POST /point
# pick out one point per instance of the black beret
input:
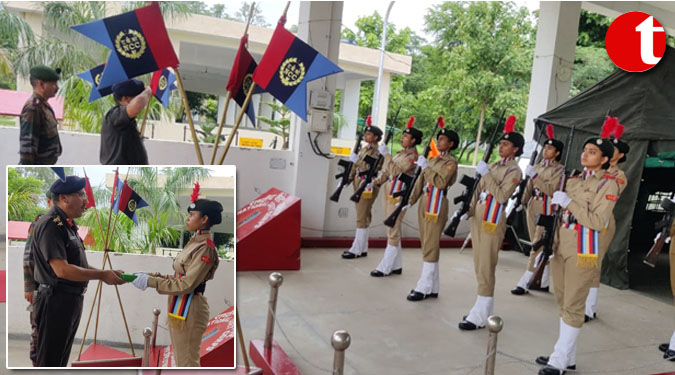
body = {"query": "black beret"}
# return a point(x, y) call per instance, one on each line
point(452, 136)
point(623, 148)
point(72, 184)
point(375, 130)
point(605, 145)
point(559, 146)
point(516, 139)
point(415, 133)
point(45, 73)
point(207, 207)
point(131, 87)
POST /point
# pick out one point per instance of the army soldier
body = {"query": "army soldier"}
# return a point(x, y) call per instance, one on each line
point(668, 348)
point(621, 148)
point(587, 204)
point(497, 184)
point(402, 162)
point(542, 184)
point(372, 136)
point(193, 267)
point(121, 142)
point(63, 273)
point(39, 134)
point(438, 174)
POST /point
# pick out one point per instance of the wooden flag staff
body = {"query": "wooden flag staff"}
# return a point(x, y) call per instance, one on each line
point(189, 116)
point(236, 123)
point(145, 116)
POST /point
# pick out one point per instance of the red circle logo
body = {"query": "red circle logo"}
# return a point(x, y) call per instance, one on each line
point(635, 41)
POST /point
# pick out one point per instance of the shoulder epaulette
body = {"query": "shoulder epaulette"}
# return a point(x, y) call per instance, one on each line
point(210, 243)
point(607, 175)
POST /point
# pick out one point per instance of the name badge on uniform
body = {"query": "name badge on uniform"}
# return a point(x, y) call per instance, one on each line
point(434, 201)
point(492, 214)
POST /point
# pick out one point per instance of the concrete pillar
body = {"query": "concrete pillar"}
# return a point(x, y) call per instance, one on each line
point(381, 119)
point(553, 58)
point(319, 25)
point(350, 108)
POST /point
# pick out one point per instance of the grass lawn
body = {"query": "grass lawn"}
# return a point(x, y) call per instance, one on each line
point(7, 121)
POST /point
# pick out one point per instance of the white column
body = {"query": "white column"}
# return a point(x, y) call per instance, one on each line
point(319, 24)
point(553, 58)
point(350, 108)
point(381, 119)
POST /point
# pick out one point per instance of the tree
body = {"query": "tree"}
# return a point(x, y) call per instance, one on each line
point(242, 15)
point(281, 125)
point(23, 195)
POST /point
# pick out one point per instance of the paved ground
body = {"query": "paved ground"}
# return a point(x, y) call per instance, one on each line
point(393, 336)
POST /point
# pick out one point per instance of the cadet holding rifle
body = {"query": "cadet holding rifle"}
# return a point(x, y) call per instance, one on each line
point(364, 161)
point(621, 148)
point(497, 184)
point(437, 175)
point(542, 182)
point(586, 205)
point(403, 163)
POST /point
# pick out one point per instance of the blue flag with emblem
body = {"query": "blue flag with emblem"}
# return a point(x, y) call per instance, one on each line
point(61, 172)
point(93, 76)
point(129, 201)
point(162, 83)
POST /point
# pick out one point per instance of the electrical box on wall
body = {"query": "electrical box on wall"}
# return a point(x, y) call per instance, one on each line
point(320, 99)
point(320, 120)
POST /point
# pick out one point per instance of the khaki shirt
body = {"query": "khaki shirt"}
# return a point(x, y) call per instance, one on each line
point(362, 166)
point(197, 263)
point(501, 182)
point(593, 199)
point(440, 172)
point(402, 162)
point(545, 182)
point(619, 177)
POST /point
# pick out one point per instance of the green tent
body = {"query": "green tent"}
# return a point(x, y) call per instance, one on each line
point(645, 104)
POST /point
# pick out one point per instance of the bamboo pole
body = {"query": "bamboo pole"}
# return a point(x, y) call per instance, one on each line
point(236, 123)
point(220, 127)
point(242, 342)
point(145, 116)
point(189, 117)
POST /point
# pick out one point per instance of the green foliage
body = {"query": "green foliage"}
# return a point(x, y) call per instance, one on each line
point(206, 133)
point(592, 29)
point(23, 195)
point(591, 64)
point(281, 125)
point(242, 15)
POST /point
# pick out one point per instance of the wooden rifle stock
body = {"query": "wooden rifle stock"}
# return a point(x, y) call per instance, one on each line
point(653, 255)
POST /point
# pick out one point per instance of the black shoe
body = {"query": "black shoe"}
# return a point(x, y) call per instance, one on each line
point(432, 295)
point(415, 296)
point(518, 291)
point(588, 318)
point(376, 273)
point(544, 289)
point(543, 360)
point(348, 255)
point(669, 355)
point(466, 325)
point(396, 272)
point(548, 370)
point(664, 347)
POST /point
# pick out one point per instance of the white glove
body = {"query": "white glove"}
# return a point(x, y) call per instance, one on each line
point(560, 198)
point(422, 162)
point(530, 171)
point(141, 281)
point(383, 149)
point(353, 157)
point(656, 239)
point(482, 168)
point(407, 206)
point(464, 217)
point(369, 186)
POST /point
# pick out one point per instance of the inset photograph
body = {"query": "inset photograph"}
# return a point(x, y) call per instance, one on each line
point(122, 267)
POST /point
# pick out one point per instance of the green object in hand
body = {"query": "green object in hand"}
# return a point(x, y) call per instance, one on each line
point(128, 277)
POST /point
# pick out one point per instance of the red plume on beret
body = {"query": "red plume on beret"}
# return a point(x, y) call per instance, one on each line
point(411, 122)
point(608, 127)
point(549, 131)
point(441, 122)
point(369, 120)
point(510, 124)
point(618, 130)
point(195, 193)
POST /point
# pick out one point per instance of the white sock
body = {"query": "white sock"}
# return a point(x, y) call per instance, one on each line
point(672, 342)
point(437, 279)
point(426, 281)
point(481, 310)
point(591, 302)
point(562, 351)
point(546, 277)
point(525, 279)
point(388, 260)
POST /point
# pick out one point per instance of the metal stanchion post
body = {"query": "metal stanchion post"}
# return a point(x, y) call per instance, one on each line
point(155, 311)
point(275, 279)
point(147, 332)
point(494, 325)
point(340, 341)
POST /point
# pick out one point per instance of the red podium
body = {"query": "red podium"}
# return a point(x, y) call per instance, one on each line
point(268, 233)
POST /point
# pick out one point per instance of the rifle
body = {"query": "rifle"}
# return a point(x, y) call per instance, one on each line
point(410, 181)
point(347, 169)
point(518, 196)
point(550, 224)
point(373, 163)
point(664, 226)
point(471, 184)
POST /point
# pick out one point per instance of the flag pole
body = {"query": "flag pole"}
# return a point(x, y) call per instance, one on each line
point(242, 342)
point(189, 117)
point(237, 122)
point(145, 116)
point(229, 94)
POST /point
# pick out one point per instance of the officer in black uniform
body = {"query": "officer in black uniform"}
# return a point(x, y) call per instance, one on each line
point(62, 272)
point(121, 142)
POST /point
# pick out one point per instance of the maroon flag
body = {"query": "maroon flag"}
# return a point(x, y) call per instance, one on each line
point(91, 202)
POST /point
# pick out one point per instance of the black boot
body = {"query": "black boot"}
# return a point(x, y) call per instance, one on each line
point(669, 355)
point(518, 291)
point(664, 347)
point(543, 360)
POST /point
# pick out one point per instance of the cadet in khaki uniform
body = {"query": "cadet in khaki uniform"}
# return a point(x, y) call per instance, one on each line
point(364, 206)
point(39, 141)
point(438, 174)
point(586, 204)
point(402, 162)
point(193, 267)
point(621, 148)
point(544, 179)
point(668, 348)
point(498, 182)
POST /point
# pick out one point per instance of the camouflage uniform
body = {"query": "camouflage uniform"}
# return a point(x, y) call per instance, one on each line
point(30, 286)
point(39, 135)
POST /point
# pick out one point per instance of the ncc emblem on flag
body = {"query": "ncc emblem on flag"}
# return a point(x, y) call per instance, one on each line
point(130, 44)
point(97, 79)
point(247, 82)
point(163, 83)
point(132, 205)
point(291, 72)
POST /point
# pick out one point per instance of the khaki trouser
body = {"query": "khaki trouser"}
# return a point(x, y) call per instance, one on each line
point(534, 209)
point(430, 233)
point(604, 239)
point(571, 282)
point(393, 234)
point(486, 250)
point(187, 341)
point(364, 210)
